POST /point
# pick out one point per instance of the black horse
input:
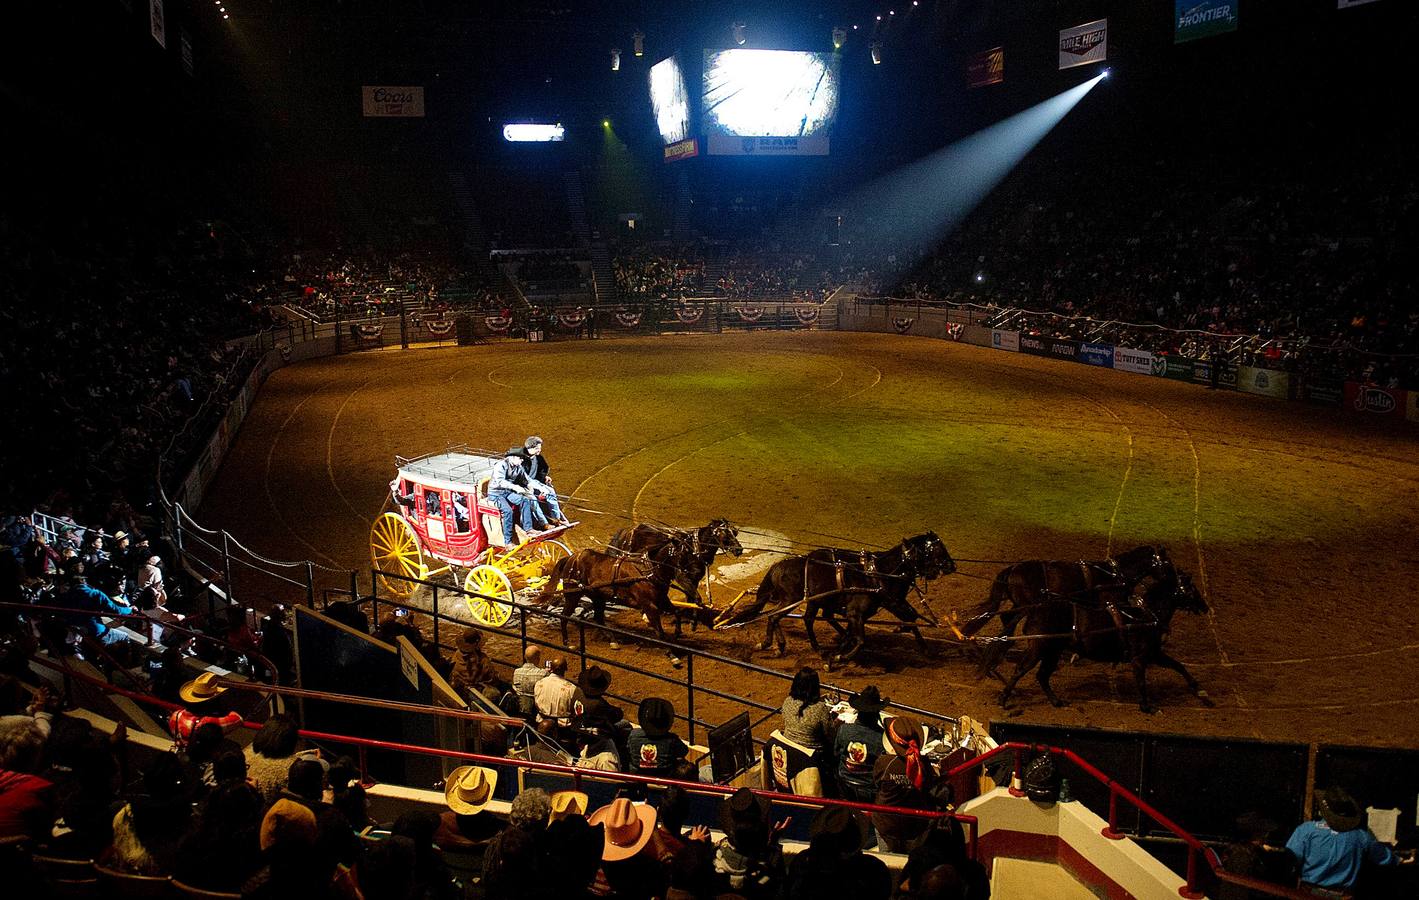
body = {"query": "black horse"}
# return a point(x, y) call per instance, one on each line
point(704, 542)
point(1106, 583)
point(852, 583)
point(1132, 632)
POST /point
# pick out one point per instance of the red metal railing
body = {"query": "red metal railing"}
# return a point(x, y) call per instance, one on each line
point(1196, 851)
point(363, 745)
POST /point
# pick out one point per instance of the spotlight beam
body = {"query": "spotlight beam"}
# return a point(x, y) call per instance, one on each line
point(925, 200)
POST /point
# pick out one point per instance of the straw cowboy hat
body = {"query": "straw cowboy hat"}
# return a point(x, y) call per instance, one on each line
point(628, 828)
point(469, 789)
point(568, 803)
point(203, 687)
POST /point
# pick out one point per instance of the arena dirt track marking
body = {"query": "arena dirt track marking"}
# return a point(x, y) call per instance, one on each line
point(330, 452)
point(266, 481)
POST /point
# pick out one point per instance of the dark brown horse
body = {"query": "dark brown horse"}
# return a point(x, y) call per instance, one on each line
point(854, 584)
point(639, 581)
point(704, 542)
point(1132, 632)
point(1106, 583)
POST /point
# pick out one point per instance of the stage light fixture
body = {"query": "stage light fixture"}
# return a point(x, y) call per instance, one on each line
point(839, 38)
point(876, 49)
point(638, 43)
point(980, 277)
point(616, 60)
point(738, 30)
point(605, 123)
point(1106, 72)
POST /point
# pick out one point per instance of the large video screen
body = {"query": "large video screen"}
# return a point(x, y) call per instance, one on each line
point(784, 94)
point(670, 100)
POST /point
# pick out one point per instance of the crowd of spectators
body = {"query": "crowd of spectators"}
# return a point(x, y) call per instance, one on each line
point(657, 273)
point(1262, 252)
point(749, 275)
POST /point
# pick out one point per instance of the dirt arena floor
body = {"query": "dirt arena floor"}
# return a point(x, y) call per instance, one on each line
point(1299, 523)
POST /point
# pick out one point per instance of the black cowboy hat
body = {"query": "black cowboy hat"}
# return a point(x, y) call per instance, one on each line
point(594, 682)
point(869, 700)
point(656, 716)
point(743, 809)
point(1339, 809)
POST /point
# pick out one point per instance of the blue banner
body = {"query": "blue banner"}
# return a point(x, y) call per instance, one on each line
point(1203, 18)
point(1097, 355)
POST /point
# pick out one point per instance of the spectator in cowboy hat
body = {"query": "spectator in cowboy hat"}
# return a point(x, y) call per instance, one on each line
point(628, 864)
point(903, 778)
point(749, 861)
point(204, 706)
point(1332, 851)
point(834, 864)
point(857, 745)
point(568, 803)
point(474, 671)
point(653, 749)
point(466, 823)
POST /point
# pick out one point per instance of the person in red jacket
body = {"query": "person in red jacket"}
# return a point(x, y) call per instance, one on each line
point(26, 800)
point(201, 695)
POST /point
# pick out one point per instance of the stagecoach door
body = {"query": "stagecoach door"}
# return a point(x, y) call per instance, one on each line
point(433, 509)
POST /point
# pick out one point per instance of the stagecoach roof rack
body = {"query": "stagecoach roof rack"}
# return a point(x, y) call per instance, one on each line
point(457, 463)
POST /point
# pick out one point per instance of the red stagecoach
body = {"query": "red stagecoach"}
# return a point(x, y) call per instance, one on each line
point(442, 521)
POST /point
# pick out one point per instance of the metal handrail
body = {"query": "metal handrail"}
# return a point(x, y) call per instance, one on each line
point(254, 655)
point(689, 654)
point(1196, 850)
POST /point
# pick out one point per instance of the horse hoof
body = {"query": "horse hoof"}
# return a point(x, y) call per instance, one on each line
point(1147, 708)
point(1058, 703)
point(675, 662)
point(615, 646)
point(1206, 700)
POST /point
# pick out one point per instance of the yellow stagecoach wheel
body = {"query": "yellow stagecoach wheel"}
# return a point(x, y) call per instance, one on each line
point(394, 548)
point(544, 555)
point(491, 582)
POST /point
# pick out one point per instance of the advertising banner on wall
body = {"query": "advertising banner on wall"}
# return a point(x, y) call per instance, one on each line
point(386, 100)
point(157, 23)
point(1325, 391)
point(686, 149)
point(1177, 368)
point(1097, 355)
point(986, 67)
point(1202, 373)
point(1127, 359)
point(975, 334)
point(738, 145)
point(1375, 401)
point(1203, 18)
point(1055, 348)
point(1084, 44)
point(1266, 382)
point(1005, 340)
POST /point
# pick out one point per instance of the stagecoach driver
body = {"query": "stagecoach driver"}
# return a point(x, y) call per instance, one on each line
point(509, 489)
point(539, 472)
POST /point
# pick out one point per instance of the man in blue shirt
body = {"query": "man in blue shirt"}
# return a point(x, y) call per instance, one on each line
point(1333, 850)
point(508, 489)
point(88, 604)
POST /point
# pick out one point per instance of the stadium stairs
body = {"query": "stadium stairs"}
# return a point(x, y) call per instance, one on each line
point(603, 277)
point(576, 207)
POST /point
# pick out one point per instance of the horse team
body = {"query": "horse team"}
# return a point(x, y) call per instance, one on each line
point(1115, 610)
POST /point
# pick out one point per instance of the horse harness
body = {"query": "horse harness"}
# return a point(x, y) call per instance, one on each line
point(1103, 590)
